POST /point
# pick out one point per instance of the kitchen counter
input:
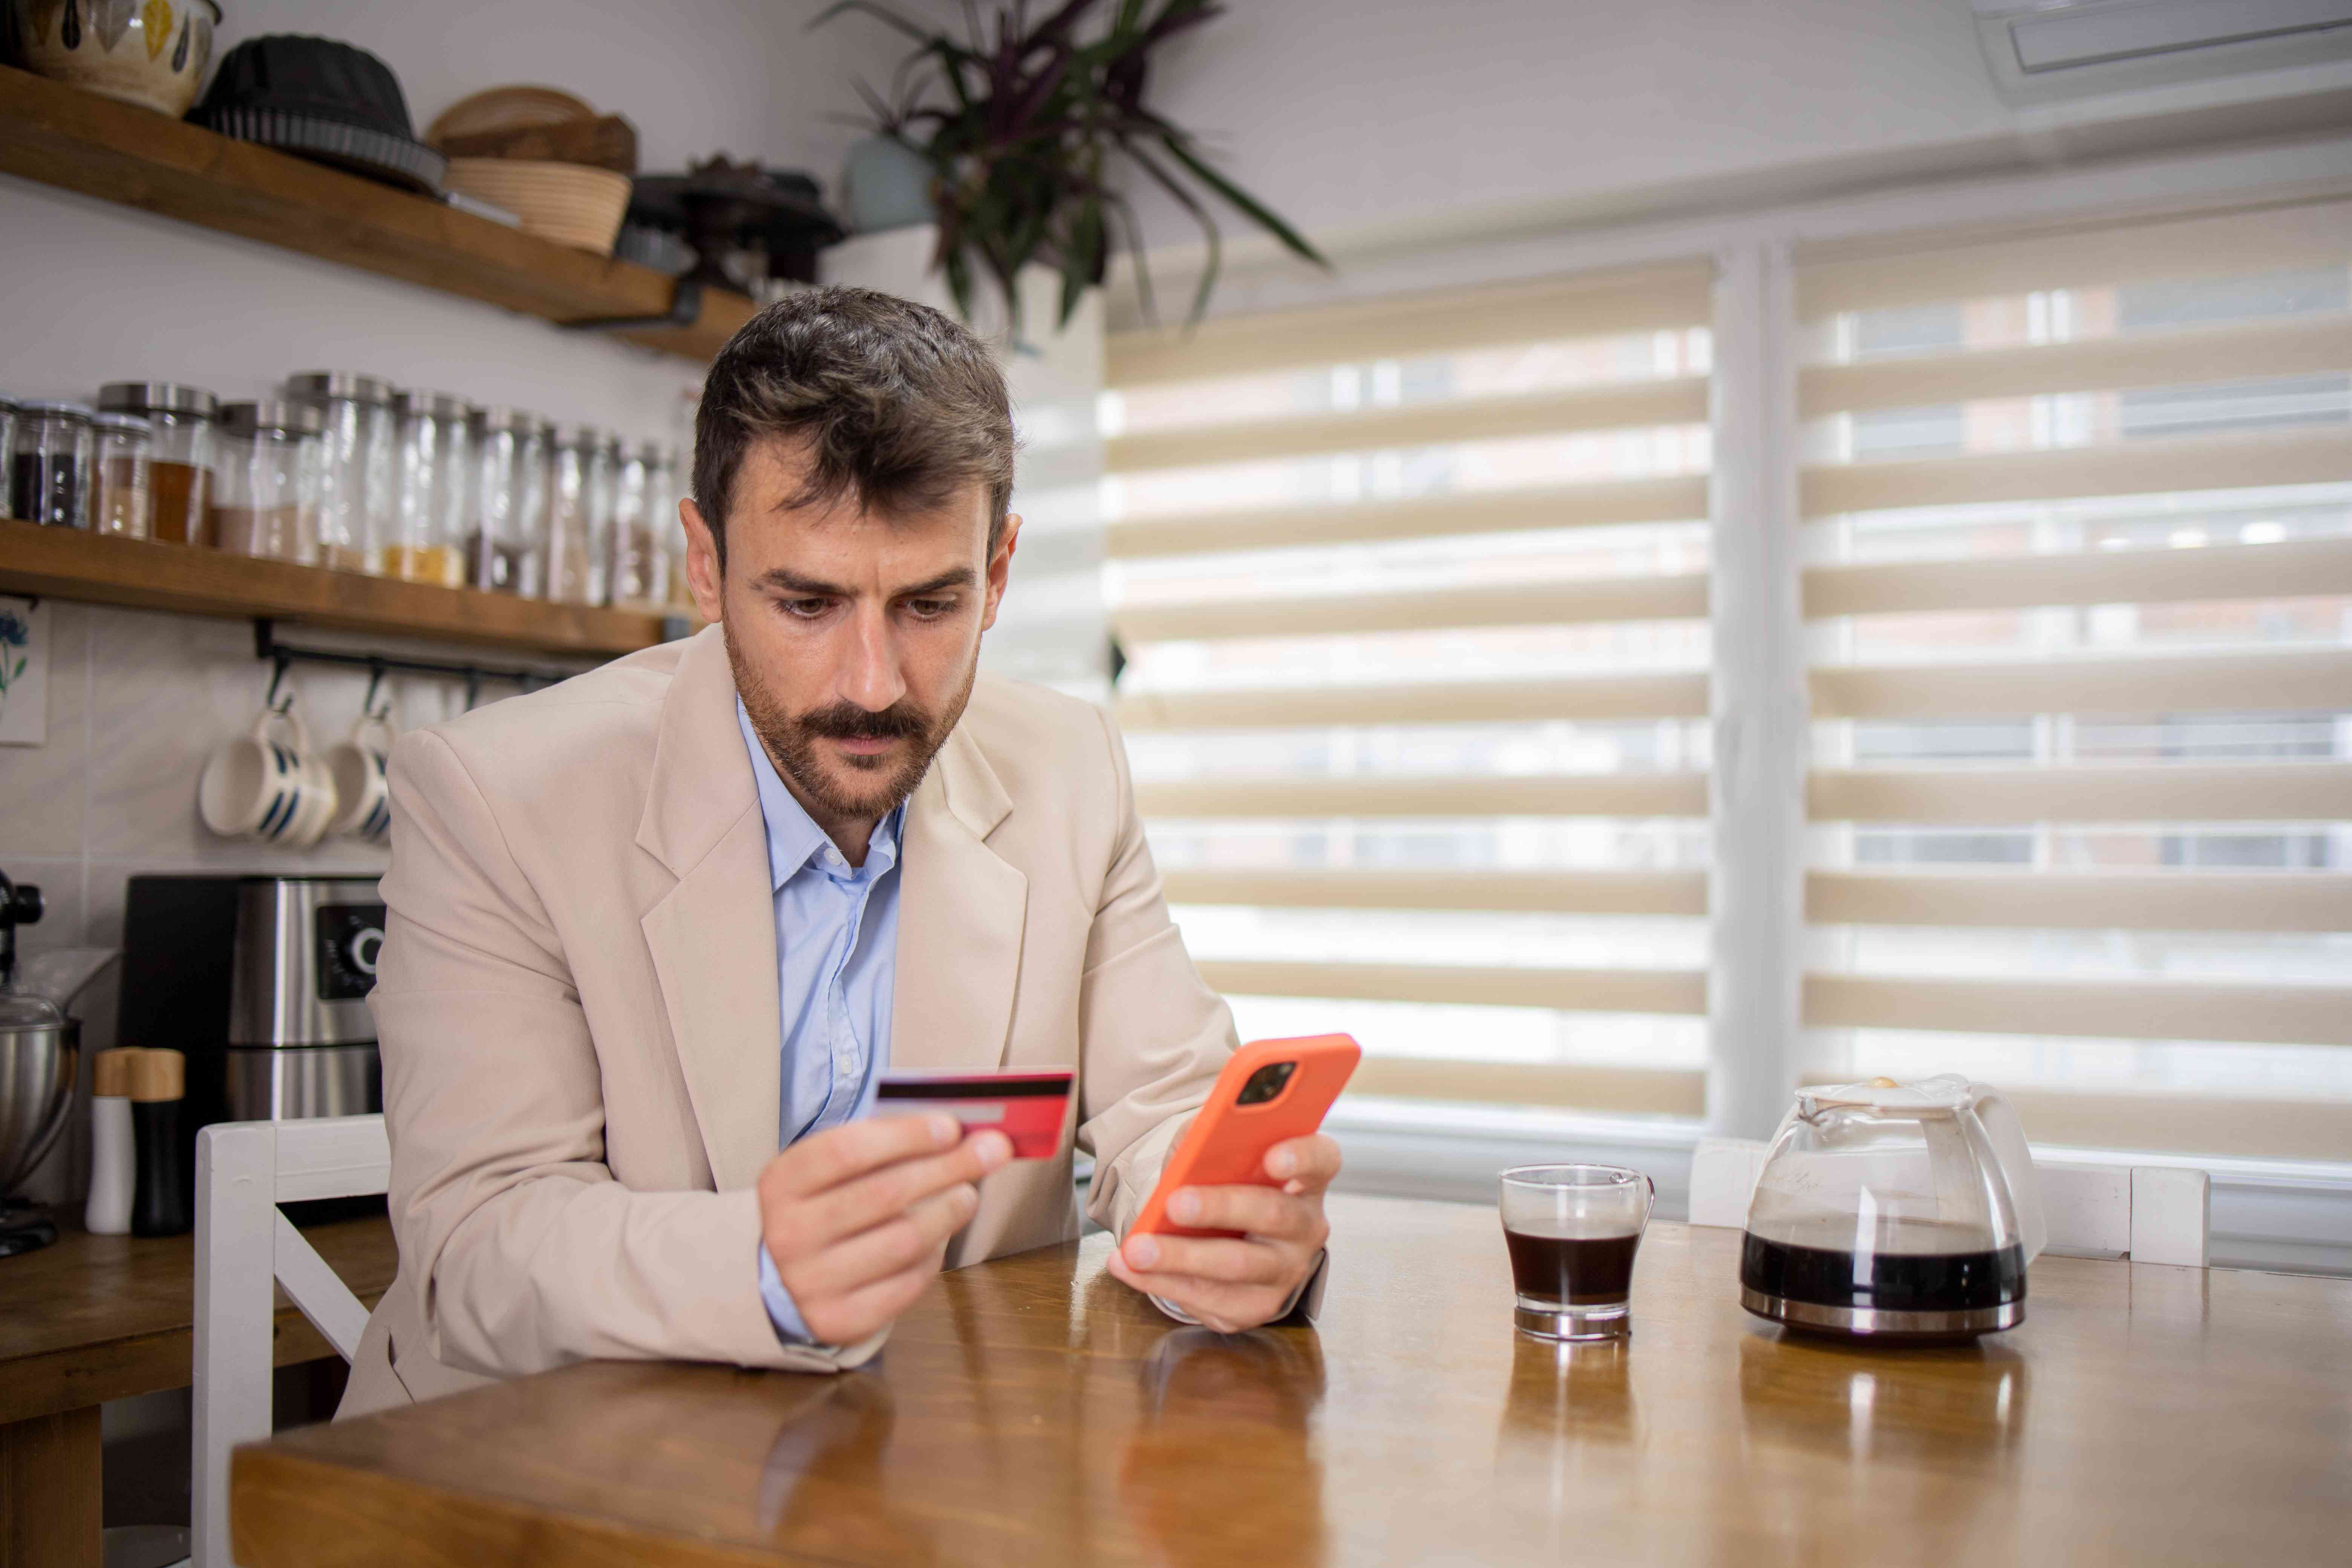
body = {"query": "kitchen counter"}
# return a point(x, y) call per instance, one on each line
point(95, 1318)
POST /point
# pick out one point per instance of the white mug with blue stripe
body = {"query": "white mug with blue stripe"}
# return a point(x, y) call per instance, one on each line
point(357, 766)
point(264, 785)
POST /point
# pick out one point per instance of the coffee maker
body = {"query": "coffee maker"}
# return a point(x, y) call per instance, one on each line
point(262, 982)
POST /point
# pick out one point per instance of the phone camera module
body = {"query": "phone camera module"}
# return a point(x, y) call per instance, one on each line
point(1266, 1083)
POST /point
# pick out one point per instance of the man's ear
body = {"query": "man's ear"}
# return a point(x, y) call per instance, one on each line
point(702, 572)
point(999, 568)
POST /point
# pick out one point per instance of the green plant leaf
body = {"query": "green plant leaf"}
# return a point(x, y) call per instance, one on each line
point(1257, 211)
point(1200, 215)
point(1016, 120)
point(882, 13)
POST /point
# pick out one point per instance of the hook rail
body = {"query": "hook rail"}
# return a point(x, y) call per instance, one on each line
point(280, 655)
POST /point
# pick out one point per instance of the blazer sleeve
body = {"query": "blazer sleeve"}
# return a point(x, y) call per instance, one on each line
point(525, 1251)
point(1152, 1036)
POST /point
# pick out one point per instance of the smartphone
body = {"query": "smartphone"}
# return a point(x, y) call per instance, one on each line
point(1271, 1091)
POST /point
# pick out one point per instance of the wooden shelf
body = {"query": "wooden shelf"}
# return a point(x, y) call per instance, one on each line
point(69, 563)
point(77, 140)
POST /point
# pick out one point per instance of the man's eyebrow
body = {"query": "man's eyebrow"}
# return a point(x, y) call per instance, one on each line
point(956, 577)
point(784, 579)
point(790, 581)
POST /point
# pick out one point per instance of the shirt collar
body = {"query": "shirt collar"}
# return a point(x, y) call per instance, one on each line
point(794, 840)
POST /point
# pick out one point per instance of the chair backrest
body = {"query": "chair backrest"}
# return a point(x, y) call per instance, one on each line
point(2149, 1213)
point(245, 1247)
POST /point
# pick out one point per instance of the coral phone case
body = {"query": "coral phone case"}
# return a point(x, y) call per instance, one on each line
point(1226, 1145)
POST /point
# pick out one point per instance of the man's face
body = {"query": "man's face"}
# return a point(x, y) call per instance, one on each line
point(854, 638)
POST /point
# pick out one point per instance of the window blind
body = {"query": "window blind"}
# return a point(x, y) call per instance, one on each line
point(1414, 599)
point(2079, 600)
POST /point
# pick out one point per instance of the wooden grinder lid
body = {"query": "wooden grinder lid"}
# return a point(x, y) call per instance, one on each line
point(159, 1075)
point(110, 1072)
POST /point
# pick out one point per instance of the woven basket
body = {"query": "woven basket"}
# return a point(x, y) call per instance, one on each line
point(570, 204)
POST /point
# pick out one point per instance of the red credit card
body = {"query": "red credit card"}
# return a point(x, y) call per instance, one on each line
point(1026, 1107)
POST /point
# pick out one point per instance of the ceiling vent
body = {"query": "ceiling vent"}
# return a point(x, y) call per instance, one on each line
point(2068, 49)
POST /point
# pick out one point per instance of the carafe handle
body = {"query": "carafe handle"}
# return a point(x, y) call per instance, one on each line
point(2007, 1136)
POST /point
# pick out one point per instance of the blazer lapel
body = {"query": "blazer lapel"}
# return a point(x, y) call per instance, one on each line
point(713, 938)
point(960, 912)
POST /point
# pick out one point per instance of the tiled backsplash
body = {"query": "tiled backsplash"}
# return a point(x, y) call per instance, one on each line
point(137, 700)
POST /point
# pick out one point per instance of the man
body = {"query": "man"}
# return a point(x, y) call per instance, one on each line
point(653, 933)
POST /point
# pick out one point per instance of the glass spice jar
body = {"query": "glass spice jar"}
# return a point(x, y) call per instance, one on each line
point(661, 521)
point(181, 427)
point(427, 540)
point(359, 474)
point(48, 466)
point(578, 515)
point(120, 496)
point(634, 556)
point(508, 510)
point(266, 497)
point(674, 539)
point(7, 457)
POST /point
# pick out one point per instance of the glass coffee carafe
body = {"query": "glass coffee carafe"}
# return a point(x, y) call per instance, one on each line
point(1889, 1211)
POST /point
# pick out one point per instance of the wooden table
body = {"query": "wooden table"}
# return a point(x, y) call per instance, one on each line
point(95, 1318)
point(1033, 1411)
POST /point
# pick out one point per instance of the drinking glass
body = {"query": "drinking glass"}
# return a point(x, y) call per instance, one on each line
point(1572, 1231)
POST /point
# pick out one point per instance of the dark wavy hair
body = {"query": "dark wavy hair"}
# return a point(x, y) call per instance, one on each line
point(897, 405)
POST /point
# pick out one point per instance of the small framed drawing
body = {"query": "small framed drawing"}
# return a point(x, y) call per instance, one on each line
point(23, 672)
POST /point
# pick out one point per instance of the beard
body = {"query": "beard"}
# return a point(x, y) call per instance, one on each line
point(877, 785)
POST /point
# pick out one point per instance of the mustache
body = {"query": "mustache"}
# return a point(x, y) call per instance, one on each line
point(847, 721)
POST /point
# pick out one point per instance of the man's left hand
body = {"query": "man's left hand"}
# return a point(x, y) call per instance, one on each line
point(1231, 1284)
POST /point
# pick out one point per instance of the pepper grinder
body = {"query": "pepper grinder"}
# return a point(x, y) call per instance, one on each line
point(113, 1145)
point(159, 1086)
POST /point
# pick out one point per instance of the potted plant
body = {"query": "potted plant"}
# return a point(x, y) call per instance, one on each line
point(1028, 131)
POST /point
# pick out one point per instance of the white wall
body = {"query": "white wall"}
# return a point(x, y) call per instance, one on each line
point(1355, 117)
point(1344, 113)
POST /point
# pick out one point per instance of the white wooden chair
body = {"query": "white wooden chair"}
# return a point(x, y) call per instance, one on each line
point(2149, 1213)
point(244, 1247)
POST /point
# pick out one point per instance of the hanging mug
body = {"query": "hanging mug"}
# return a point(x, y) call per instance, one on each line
point(357, 765)
point(266, 785)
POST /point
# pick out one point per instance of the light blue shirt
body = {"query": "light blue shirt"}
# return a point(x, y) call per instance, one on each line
point(837, 955)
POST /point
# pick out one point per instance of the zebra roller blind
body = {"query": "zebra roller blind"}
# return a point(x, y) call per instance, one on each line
point(1413, 598)
point(2079, 599)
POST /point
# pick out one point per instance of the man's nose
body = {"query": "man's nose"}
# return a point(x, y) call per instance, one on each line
point(872, 678)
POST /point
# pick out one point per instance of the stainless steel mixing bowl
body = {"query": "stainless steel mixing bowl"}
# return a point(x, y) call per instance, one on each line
point(38, 1063)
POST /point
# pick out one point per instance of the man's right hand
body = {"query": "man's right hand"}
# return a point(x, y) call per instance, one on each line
point(856, 1218)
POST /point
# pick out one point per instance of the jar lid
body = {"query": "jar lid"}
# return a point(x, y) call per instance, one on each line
point(157, 397)
point(499, 417)
point(131, 423)
point(652, 452)
point(580, 436)
point(321, 386)
point(50, 410)
point(251, 418)
point(439, 404)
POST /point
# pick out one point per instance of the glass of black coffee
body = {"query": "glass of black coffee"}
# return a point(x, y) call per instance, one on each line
point(1572, 1231)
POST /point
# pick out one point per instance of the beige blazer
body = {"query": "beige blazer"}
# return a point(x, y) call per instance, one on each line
point(578, 1013)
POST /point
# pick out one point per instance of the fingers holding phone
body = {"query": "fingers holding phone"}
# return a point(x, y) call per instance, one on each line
point(856, 1218)
point(1236, 1281)
point(1235, 1225)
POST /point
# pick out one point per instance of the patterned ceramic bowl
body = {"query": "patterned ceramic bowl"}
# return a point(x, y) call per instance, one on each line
point(151, 53)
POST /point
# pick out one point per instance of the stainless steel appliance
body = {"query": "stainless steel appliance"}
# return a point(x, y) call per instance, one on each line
point(39, 1049)
point(263, 981)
